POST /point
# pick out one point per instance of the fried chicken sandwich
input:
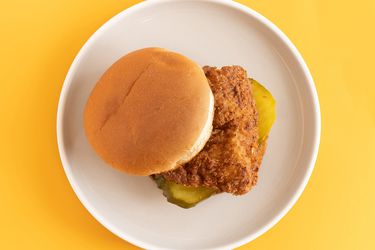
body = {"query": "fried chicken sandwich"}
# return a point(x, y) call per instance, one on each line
point(196, 132)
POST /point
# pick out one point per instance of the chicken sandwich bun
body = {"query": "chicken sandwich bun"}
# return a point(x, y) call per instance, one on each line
point(150, 112)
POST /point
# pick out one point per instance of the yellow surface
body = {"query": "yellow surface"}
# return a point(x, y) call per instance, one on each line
point(38, 41)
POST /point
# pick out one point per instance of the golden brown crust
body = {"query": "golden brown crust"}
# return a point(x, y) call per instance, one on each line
point(231, 158)
point(147, 111)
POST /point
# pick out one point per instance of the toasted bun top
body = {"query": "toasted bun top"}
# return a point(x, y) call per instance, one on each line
point(150, 111)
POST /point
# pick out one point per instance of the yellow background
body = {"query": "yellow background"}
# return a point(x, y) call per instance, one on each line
point(38, 42)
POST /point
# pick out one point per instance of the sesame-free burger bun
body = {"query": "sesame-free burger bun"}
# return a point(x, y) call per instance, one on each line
point(150, 112)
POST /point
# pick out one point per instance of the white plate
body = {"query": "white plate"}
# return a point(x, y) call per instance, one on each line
point(211, 33)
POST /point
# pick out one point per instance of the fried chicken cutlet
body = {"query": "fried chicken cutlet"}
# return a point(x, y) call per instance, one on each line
point(230, 160)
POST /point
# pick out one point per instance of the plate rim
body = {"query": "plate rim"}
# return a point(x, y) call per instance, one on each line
point(311, 88)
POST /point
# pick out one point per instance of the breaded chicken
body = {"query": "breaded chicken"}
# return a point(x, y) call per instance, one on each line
point(230, 160)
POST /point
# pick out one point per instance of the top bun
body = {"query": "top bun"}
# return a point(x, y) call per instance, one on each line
point(150, 112)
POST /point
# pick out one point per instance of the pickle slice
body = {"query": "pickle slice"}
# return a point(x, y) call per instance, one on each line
point(266, 106)
point(187, 197)
point(181, 195)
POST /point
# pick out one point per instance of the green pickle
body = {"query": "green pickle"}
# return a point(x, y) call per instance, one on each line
point(266, 106)
point(187, 197)
point(181, 195)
